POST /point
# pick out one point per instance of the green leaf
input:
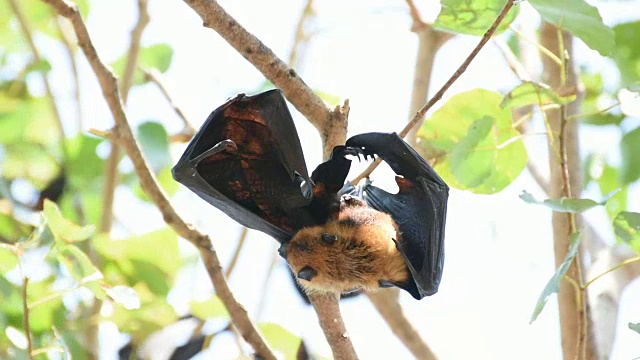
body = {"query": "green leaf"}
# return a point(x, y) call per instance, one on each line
point(29, 161)
point(63, 229)
point(530, 93)
point(609, 182)
point(47, 314)
point(78, 264)
point(156, 56)
point(629, 150)
point(165, 179)
point(132, 257)
point(476, 145)
point(12, 229)
point(554, 283)
point(8, 258)
point(627, 227)
point(566, 205)
point(125, 296)
point(473, 17)
point(627, 51)
point(154, 314)
point(210, 308)
point(281, 339)
point(154, 141)
point(580, 19)
point(42, 66)
point(83, 164)
point(635, 327)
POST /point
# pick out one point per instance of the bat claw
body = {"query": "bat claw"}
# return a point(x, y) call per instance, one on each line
point(385, 284)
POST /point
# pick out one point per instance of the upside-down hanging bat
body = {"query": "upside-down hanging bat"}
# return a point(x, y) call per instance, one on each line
point(247, 161)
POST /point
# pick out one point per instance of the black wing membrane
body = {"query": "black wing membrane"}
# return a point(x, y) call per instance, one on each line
point(419, 208)
point(247, 161)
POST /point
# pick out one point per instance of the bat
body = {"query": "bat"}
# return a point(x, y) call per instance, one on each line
point(247, 161)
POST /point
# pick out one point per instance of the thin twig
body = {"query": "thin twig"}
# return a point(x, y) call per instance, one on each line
point(25, 317)
point(236, 252)
point(417, 22)
point(612, 269)
point(300, 36)
point(155, 77)
point(71, 53)
point(438, 95)
point(111, 173)
point(122, 132)
point(512, 60)
point(539, 46)
point(28, 33)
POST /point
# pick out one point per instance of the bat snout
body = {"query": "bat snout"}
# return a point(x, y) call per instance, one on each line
point(307, 273)
point(282, 250)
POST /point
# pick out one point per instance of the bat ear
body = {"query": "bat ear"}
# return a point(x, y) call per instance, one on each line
point(329, 239)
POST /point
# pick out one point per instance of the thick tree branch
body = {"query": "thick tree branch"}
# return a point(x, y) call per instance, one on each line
point(123, 134)
point(332, 126)
point(565, 180)
point(260, 56)
point(438, 95)
point(328, 310)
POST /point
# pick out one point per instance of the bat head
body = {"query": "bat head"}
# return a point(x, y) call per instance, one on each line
point(354, 251)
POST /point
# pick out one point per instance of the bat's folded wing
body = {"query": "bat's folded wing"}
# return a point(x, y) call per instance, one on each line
point(247, 161)
point(419, 208)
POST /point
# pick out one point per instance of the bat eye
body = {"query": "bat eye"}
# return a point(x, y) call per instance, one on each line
point(306, 273)
point(328, 238)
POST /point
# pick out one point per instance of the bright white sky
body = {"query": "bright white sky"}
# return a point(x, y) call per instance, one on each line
point(498, 249)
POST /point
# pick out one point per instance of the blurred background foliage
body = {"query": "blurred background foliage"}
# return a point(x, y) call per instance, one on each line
point(53, 174)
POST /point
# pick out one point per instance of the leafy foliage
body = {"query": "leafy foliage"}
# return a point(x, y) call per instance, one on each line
point(473, 17)
point(480, 151)
point(579, 18)
point(553, 285)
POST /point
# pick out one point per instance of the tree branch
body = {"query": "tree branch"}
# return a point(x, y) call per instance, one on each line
point(188, 130)
point(28, 33)
point(328, 310)
point(300, 36)
point(123, 134)
point(438, 95)
point(260, 56)
point(565, 180)
point(111, 173)
point(386, 302)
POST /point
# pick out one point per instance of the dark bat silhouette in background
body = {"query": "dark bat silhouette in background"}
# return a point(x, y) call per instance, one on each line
point(247, 161)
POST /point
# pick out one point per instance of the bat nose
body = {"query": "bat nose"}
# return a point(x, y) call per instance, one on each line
point(307, 273)
point(282, 250)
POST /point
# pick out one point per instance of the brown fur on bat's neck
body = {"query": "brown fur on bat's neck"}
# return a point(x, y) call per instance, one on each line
point(362, 254)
